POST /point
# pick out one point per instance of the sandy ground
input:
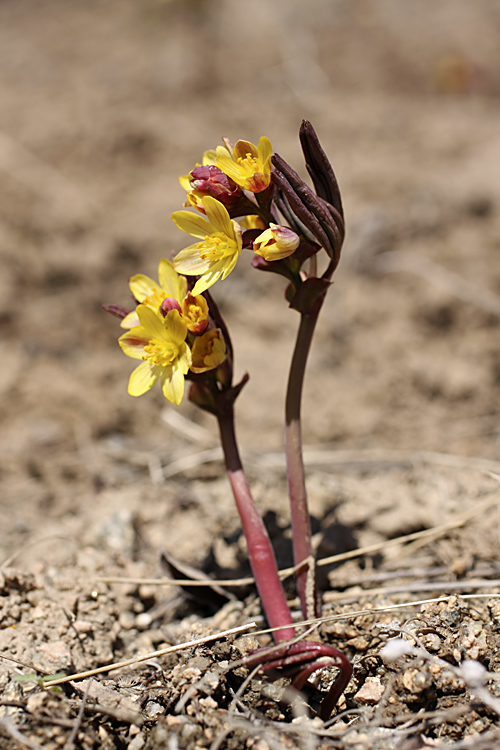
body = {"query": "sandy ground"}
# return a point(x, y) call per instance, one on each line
point(103, 106)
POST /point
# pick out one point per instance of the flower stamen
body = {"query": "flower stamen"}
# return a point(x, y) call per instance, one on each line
point(160, 352)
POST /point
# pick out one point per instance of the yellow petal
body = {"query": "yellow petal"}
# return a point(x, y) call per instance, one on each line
point(209, 157)
point(242, 148)
point(130, 320)
point(210, 277)
point(142, 286)
point(134, 341)
point(188, 261)
point(172, 385)
point(252, 221)
point(230, 168)
point(175, 328)
point(230, 264)
point(152, 322)
point(191, 223)
point(265, 149)
point(172, 284)
point(218, 216)
point(143, 378)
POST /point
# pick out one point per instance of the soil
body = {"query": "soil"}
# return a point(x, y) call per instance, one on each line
point(104, 105)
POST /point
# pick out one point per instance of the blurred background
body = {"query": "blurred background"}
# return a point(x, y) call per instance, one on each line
point(104, 104)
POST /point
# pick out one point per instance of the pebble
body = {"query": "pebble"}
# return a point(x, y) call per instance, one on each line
point(416, 680)
point(52, 657)
point(371, 692)
point(83, 626)
point(152, 710)
point(137, 743)
point(143, 621)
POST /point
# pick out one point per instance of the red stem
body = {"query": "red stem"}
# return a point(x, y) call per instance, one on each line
point(260, 551)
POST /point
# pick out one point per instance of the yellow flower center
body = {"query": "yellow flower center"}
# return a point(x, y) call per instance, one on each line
point(215, 246)
point(155, 299)
point(249, 164)
point(160, 352)
point(214, 354)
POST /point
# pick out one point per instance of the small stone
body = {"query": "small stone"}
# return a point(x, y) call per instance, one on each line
point(147, 593)
point(416, 681)
point(137, 743)
point(431, 641)
point(153, 710)
point(371, 692)
point(52, 657)
point(126, 620)
point(36, 702)
point(103, 733)
point(83, 626)
point(143, 621)
point(173, 721)
point(261, 745)
point(208, 703)
point(358, 643)
point(117, 532)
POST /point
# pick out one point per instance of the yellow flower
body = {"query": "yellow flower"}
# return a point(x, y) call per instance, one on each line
point(172, 290)
point(150, 293)
point(195, 313)
point(161, 344)
point(209, 351)
point(216, 255)
point(250, 166)
point(276, 243)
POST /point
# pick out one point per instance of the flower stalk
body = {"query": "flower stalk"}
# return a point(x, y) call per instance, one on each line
point(178, 333)
point(260, 551)
point(301, 525)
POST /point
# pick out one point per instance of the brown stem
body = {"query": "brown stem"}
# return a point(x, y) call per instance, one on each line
point(301, 525)
point(260, 551)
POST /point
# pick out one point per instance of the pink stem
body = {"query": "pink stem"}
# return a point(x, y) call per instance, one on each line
point(260, 551)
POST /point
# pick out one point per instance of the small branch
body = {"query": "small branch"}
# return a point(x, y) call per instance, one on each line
point(72, 737)
point(14, 732)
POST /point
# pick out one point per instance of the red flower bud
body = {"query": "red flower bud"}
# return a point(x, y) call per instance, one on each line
point(168, 304)
point(210, 180)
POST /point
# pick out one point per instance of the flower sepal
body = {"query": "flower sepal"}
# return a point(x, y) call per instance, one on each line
point(308, 297)
point(203, 396)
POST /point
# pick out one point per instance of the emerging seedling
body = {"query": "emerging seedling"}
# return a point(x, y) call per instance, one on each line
point(177, 333)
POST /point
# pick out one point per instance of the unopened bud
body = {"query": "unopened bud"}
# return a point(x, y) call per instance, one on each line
point(209, 351)
point(210, 180)
point(168, 304)
point(201, 395)
point(195, 313)
point(276, 243)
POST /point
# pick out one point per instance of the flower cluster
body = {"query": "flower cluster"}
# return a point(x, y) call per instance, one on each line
point(170, 330)
point(231, 182)
point(244, 197)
